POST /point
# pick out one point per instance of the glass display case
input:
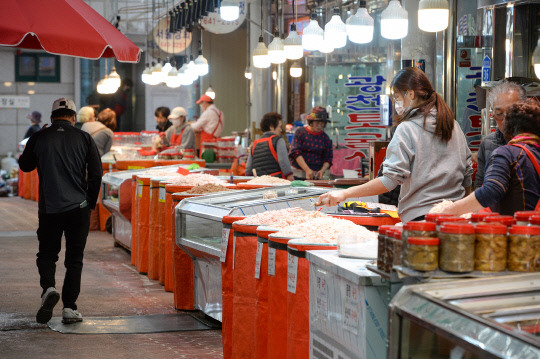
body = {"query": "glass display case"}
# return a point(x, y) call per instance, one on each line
point(494, 317)
point(199, 230)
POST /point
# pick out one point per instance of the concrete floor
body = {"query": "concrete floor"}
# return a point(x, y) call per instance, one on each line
point(110, 287)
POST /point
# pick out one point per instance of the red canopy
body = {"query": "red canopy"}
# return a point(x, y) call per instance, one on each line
point(63, 27)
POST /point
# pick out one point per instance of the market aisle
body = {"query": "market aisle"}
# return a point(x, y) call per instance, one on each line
point(110, 287)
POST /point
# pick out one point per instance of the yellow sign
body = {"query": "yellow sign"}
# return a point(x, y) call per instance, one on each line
point(172, 43)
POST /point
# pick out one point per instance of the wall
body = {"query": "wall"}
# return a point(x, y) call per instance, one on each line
point(13, 122)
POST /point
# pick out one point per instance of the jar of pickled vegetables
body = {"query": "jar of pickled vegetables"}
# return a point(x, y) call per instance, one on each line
point(490, 250)
point(415, 229)
point(506, 220)
point(523, 217)
point(423, 253)
point(440, 220)
point(456, 250)
point(432, 217)
point(389, 250)
point(479, 217)
point(381, 249)
point(535, 220)
point(395, 244)
point(524, 248)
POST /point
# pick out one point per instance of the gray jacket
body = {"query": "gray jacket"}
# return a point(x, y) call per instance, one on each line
point(428, 169)
point(487, 146)
point(102, 135)
point(188, 136)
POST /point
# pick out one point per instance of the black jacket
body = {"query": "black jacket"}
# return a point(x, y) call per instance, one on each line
point(68, 164)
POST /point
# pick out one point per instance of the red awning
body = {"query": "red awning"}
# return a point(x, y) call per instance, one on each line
point(63, 27)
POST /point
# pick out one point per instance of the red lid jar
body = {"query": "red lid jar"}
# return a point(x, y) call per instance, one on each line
point(506, 220)
point(432, 217)
point(479, 217)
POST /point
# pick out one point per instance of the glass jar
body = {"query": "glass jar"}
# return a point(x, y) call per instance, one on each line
point(456, 247)
point(440, 220)
point(395, 244)
point(415, 229)
point(479, 217)
point(423, 253)
point(523, 217)
point(524, 249)
point(506, 220)
point(535, 220)
point(490, 250)
point(389, 253)
point(381, 249)
point(432, 217)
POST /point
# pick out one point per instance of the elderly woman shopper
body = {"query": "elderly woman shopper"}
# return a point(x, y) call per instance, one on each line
point(102, 136)
point(311, 150)
point(180, 133)
point(512, 180)
point(428, 154)
point(268, 155)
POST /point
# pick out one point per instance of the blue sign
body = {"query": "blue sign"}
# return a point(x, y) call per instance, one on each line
point(486, 69)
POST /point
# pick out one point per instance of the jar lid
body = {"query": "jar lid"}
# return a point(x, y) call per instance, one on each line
point(458, 228)
point(491, 229)
point(442, 220)
point(535, 219)
point(479, 217)
point(394, 232)
point(432, 217)
point(524, 216)
point(420, 226)
point(424, 241)
point(384, 229)
point(531, 230)
point(506, 220)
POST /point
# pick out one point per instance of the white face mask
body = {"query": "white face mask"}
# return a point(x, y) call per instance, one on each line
point(175, 122)
point(398, 105)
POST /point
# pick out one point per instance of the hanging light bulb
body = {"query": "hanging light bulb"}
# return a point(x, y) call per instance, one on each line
point(260, 55)
point(210, 93)
point(295, 70)
point(157, 75)
point(336, 31)
point(229, 10)
point(360, 26)
point(173, 81)
point(394, 21)
point(326, 46)
point(192, 69)
point(201, 64)
point(433, 15)
point(152, 80)
point(101, 88)
point(536, 59)
point(313, 34)
point(185, 80)
point(293, 45)
point(114, 79)
point(146, 75)
point(167, 66)
point(247, 73)
point(276, 50)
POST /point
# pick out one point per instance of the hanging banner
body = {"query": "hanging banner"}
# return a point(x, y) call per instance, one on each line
point(171, 43)
point(213, 22)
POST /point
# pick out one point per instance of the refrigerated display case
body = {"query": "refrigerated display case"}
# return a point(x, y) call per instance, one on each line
point(199, 231)
point(494, 317)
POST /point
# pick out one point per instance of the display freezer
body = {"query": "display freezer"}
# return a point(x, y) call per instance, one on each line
point(199, 231)
point(492, 317)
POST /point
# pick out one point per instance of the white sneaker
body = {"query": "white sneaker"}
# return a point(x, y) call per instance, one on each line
point(48, 301)
point(71, 316)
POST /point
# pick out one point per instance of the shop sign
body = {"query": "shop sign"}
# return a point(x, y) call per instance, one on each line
point(213, 22)
point(172, 43)
point(486, 69)
point(471, 121)
point(364, 125)
point(14, 101)
point(465, 58)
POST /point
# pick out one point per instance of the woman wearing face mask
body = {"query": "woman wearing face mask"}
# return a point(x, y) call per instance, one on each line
point(180, 133)
point(428, 155)
point(311, 150)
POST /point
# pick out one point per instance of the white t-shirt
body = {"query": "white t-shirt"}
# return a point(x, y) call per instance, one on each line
point(210, 121)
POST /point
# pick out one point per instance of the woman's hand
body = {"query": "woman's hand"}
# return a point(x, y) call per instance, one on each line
point(319, 174)
point(162, 134)
point(309, 174)
point(332, 198)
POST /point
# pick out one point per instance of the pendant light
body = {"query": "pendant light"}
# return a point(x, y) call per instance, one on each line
point(229, 10)
point(157, 75)
point(173, 81)
point(247, 72)
point(394, 21)
point(186, 78)
point(293, 45)
point(192, 68)
point(166, 67)
point(536, 59)
point(360, 26)
point(433, 15)
point(152, 80)
point(335, 30)
point(201, 64)
point(260, 53)
point(114, 79)
point(276, 50)
point(210, 93)
point(146, 75)
point(295, 70)
point(326, 46)
point(313, 34)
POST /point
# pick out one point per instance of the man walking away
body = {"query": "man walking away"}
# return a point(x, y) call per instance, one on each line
point(69, 169)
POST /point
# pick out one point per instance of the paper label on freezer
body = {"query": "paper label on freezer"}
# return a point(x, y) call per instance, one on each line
point(139, 189)
point(271, 261)
point(351, 307)
point(224, 243)
point(162, 193)
point(321, 293)
point(258, 259)
point(151, 193)
point(292, 273)
point(233, 249)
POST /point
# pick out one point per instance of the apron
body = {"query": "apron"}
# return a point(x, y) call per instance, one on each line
point(272, 151)
point(177, 139)
point(209, 137)
point(536, 166)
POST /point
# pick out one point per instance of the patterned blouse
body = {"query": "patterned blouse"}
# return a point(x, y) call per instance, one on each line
point(315, 148)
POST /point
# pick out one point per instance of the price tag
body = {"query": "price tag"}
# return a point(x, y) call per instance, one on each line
point(139, 189)
point(292, 273)
point(224, 243)
point(258, 259)
point(271, 261)
point(162, 193)
point(233, 249)
point(321, 294)
point(351, 307)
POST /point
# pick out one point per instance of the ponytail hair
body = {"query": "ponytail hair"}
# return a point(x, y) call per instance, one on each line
point(412, 78)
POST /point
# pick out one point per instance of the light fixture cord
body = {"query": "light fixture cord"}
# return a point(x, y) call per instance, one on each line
point(261, 17)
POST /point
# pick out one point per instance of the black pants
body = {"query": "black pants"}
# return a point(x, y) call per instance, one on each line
point(74, 224)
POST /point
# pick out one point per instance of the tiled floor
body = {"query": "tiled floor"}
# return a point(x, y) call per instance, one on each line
point(110, 287)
